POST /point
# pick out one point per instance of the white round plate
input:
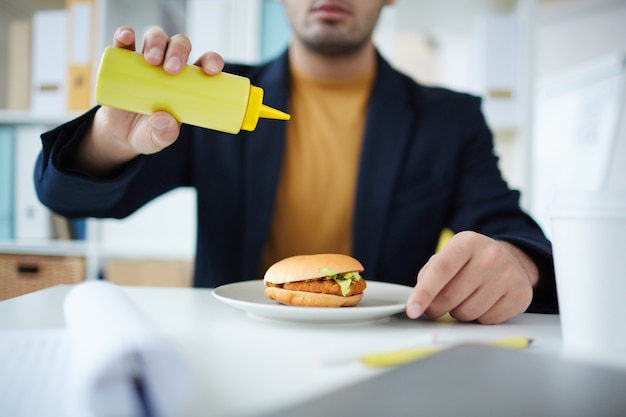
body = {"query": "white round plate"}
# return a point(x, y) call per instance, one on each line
point(380, 301)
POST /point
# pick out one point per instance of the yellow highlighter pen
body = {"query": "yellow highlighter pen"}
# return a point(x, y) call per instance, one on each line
point(224, 102)
point(403, 356)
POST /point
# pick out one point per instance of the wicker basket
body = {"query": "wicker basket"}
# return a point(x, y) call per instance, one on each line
point(21, 274)
point(150, 272)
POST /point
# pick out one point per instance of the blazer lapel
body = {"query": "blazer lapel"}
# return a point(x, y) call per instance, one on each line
point(264, 152)
point(387, 131)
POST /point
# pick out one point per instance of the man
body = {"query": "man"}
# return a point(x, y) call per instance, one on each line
point(371, 164)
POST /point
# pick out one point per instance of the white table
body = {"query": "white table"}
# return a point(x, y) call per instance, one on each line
point(246, 367)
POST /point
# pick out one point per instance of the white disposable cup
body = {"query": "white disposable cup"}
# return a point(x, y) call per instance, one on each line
point(589, 246)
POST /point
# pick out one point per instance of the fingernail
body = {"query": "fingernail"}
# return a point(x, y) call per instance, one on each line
point(155, 53)
point(213, 66)
point(124, 33)
point(414, 311)
point(160, 123)
point(173, 64)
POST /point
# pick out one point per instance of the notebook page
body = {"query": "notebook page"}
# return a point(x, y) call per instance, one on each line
point(34, 368)
point(88, 368)
point(113, 340)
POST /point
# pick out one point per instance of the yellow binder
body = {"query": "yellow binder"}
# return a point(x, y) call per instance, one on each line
point(81, 37)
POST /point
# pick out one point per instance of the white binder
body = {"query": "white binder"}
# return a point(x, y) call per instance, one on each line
point(49, 64)
point(32, 219)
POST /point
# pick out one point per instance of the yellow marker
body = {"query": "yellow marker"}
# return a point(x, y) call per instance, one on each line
point(223, 102)
point(403, 356)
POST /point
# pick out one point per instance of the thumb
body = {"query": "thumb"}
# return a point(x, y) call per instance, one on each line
point(164, 130)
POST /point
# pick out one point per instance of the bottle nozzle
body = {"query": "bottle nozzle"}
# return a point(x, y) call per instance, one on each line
point(257, 110)
point(268, 112)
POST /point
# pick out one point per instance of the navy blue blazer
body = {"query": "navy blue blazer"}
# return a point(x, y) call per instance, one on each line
point(427, 163)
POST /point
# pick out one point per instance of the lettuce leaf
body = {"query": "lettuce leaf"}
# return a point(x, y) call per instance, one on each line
point(343, 280)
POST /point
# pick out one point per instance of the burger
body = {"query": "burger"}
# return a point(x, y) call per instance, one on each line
point(321, 280)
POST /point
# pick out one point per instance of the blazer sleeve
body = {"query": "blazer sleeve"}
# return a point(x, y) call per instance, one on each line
point(497, 212)
point(75, 194)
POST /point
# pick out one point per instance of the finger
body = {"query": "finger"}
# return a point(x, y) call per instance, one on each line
point(478, 285)
point(514, 302)
point(476, 304)
point(463, 286)
point(496, 314)
point(440, 269)
point(501, 311)
point(210, 62)
point(124, 37)
point(154, 45)
point(504, 292)
point(432, 278)
point(177, 53)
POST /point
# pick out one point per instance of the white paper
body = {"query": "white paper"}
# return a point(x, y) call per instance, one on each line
point(33, 372)
point(87, 370)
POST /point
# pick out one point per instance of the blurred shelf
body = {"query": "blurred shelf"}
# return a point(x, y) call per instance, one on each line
point(54, 247)
point(26, 117)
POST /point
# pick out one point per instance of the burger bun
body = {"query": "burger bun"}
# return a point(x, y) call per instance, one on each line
point(311, 299)
point(306, 274)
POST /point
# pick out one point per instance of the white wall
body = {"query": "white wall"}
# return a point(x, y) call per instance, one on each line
point(580, 88)
point(575, 32)
point(165, 229)
point(230, 27)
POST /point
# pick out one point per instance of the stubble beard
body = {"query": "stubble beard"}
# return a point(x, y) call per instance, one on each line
point(333, 45)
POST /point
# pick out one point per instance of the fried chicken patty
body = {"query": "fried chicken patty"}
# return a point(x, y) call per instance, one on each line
point(324, 286)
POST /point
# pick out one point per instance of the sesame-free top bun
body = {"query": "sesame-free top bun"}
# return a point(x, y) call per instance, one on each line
point(303, 277)
point(303, 267)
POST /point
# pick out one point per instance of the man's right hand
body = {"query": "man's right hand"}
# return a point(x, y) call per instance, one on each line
point(117, 136)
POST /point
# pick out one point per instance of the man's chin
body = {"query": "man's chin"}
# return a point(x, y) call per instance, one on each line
point(333, 47)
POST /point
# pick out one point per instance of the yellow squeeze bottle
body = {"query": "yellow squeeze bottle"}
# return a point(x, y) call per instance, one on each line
point(223, 102)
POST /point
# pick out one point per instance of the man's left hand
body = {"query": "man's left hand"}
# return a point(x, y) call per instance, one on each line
point(474, 278)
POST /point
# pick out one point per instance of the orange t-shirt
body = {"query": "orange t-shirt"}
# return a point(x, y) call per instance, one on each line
point(316, 194)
